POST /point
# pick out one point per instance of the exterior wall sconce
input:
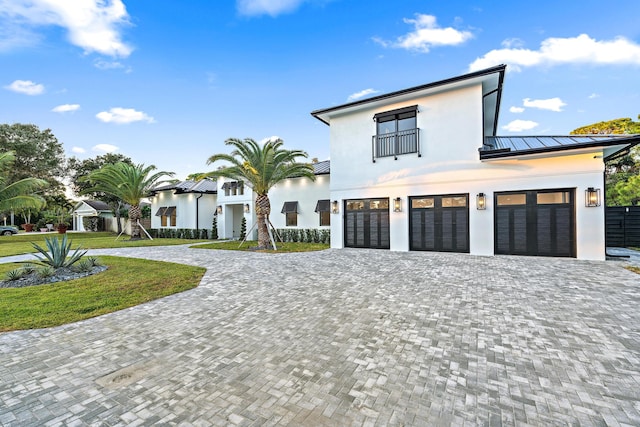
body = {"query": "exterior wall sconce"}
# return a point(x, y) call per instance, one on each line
point(397, 204)
point(247, 208)
point(219, 210)
point(481, 201)
point(334, 207)
point(592, 197)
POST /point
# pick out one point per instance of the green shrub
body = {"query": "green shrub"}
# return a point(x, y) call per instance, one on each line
point(84, 266)
point(46, 271)
point(15, 274)
point(58, 254)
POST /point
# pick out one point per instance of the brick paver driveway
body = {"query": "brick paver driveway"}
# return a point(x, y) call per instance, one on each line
point(344, 337)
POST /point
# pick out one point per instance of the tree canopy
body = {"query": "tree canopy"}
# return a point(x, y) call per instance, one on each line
point(261, 167)
point(129, 183)
point(622, 174)
point(38, 154)
point(18, 194)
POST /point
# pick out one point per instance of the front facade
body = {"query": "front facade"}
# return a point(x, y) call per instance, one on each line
point(296, 203)
point(423, 169)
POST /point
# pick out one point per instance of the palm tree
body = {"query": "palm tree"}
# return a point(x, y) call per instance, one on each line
point(130, 183)
point(19, 194)
point(261, 167)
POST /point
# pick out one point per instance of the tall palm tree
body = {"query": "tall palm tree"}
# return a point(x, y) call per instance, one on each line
point(261, 167)
point(130, 183)
point(19, 194)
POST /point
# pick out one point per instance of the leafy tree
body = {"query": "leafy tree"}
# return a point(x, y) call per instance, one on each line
point(261, 167)
point(129, 183)
point(80, 169)
point(20, 194)
point(38, 154)
point(621, 173)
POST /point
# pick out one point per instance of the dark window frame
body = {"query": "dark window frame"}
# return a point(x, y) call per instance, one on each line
point(398, 141)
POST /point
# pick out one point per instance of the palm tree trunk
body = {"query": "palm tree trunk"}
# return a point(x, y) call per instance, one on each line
point(134, 216)
point(263, 209)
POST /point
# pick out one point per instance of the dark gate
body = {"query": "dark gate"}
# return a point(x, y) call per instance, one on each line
point(623, 226)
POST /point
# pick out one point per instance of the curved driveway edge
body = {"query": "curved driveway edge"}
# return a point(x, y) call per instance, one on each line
point(344, 337)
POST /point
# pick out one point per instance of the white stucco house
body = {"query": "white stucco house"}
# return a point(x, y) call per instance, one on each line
point(423, 169)
point(295, 203)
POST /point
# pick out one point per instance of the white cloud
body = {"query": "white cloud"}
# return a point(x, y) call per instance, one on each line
point(66, 108)
point(427, 34)
point(267, 7)
point(512, 43)
point(551, 104)
point(516, 109)
point(124, 115)
point(361, 94)
point(519, 125)
point(25, 86)
point(78, 150)
point(594, 95)
point(269, 139)
point(93, 25)
point(555, 51)
point(105, 148)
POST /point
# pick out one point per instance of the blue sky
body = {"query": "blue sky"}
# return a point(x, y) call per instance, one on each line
point(166, 82)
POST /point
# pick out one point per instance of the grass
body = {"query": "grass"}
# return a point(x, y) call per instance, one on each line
point(232, 245)
point(633, 268)
point(22, 243)
point(126, 283)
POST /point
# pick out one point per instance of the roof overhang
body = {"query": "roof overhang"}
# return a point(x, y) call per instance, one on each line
point(611, 146)
point(491, 80)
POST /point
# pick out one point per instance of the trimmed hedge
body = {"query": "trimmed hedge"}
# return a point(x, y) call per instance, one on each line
point(179, 233)
point(305, 235)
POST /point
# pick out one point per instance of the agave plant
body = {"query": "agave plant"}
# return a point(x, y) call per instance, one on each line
point(57, 255)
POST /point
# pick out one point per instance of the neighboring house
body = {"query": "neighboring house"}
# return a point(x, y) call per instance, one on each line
point(295, 203)
point(92, 209)
point(185, 204)
point(423, 169)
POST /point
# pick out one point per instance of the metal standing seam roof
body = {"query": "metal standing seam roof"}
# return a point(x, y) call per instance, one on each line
point(509, 146)
point(204, 186)
point(322, 168)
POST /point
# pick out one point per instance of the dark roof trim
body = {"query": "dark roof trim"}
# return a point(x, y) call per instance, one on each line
point(161, 211)
point(488, 71)
point(498, 100)
point(598, 141)
point(290, 207)
point(413, 108)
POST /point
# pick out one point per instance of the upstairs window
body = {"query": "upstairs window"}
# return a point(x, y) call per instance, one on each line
point(396, 133)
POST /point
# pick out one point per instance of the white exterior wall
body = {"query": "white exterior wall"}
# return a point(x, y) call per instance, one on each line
point(233, 211)
point(185, 209)
point(451, 133)
point(306, 193)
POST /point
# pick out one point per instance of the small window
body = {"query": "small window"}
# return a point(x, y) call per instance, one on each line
point(379, 204)
point(557, 197)
point(355, 205)
point(290, 210)
point(511, 199)
point(454, 202)
point(323, 208)
point(424, 203)
point(167, 216)
point(325, 218)
point(291, 219)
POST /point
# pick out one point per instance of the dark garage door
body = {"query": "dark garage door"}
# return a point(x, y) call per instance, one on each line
point(366, 223)
point(439, 223)
point(540, 222)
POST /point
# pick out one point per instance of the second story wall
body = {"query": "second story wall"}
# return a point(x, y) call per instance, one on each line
point(450, 133)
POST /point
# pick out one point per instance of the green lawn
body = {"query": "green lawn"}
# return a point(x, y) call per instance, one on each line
point(21, 243)
point(633, 268)
point(233, 245)
point(126, 283)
